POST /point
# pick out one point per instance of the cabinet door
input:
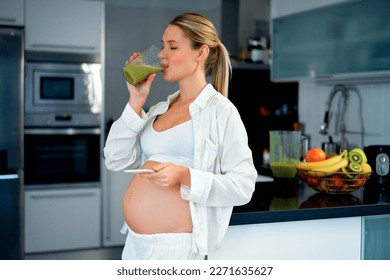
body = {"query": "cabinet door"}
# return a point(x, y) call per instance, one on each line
point(340, 43)
point(287, 7)
point(113, 220)
point(301, 240)
point(62, 219)
point(12, 12)
point(376, 234)
point(64, 26)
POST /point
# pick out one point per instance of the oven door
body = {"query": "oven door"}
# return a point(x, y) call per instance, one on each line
point(59, 157)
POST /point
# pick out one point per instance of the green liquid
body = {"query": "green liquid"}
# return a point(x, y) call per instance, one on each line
point(137, 73)
point(283, 169)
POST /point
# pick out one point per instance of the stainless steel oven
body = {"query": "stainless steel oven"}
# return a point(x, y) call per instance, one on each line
point(62, 157)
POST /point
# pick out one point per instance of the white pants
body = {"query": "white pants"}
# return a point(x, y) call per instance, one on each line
point(159, 246)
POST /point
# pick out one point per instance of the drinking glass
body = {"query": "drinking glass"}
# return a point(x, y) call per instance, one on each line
point(144, 65)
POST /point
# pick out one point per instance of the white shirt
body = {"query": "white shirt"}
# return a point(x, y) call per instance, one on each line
point(223, 174)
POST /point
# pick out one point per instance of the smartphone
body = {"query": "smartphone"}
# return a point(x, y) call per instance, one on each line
point(139, 171)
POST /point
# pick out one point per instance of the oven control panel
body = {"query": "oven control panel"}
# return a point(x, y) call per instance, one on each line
point(382, 164)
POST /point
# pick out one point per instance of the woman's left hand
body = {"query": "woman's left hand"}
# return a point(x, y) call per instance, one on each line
point(169, 174)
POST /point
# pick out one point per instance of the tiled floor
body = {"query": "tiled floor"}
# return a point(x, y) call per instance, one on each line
point(113, 253)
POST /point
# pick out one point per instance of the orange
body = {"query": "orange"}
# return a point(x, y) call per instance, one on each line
point(315, 154)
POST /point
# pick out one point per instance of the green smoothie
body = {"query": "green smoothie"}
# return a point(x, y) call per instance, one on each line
point(137, 73)
point(283, 169)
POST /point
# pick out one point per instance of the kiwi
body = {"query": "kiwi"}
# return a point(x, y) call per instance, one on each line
point(355, 167)
point(357, 155)
point(347, 173)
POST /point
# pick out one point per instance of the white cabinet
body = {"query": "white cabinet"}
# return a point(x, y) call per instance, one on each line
point(376, 232)
point(304, 47)
point(12, 12)
point(300, 240)
point(62, 219)
point(113, 190)
point(72, 26)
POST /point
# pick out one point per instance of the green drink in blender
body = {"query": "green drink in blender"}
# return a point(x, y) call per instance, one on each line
point(285, 152)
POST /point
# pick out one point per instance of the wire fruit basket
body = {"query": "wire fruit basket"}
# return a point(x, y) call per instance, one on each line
point(334, 183)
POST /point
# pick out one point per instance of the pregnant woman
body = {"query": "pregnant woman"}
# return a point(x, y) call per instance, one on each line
point(196, 144)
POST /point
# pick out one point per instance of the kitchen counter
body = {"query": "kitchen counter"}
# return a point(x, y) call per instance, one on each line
point(283, 200)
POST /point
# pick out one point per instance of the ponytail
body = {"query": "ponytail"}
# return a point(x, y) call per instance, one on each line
point(221, 70)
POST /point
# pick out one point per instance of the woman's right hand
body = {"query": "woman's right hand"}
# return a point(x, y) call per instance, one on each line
point(139, 92)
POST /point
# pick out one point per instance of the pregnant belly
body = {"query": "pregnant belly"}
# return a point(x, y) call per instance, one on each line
point(148, 209)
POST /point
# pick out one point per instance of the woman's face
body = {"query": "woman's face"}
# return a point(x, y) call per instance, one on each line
point(179, 59)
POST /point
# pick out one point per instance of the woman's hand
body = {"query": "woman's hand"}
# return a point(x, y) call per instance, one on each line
point(169, 174)
point(139, 92)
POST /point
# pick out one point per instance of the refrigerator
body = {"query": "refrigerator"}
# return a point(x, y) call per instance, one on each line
point(11, 137)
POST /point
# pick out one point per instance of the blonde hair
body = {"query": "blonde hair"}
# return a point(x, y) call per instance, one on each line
point(201, 31)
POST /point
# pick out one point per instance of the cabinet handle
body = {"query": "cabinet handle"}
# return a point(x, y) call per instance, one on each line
point(62, 131)
point(108, 209)
point(9, 176)
point(8, 19)
point(64, 195)
point(62, 47)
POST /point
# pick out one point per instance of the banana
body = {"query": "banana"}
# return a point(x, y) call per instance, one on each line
point(328, 170)
point(366, 167)
point(319, 164)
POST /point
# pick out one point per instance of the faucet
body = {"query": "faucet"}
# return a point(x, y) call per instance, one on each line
point(342, 128)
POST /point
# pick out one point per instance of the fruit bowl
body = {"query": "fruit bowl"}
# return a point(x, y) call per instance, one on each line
point(335, 182)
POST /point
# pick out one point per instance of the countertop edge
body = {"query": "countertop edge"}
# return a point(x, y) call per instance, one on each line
point(245, 218)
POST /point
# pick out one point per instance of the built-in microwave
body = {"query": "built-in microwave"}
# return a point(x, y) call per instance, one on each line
point(62, 94)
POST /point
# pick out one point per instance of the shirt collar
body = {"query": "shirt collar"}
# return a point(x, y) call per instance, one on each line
point(204, 96)
point(200, 101)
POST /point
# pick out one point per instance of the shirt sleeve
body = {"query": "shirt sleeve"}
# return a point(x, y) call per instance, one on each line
point(122, 148)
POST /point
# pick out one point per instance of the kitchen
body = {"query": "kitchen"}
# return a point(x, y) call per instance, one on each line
point(119, 18)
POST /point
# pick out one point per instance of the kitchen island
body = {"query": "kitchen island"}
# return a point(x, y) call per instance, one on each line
point(286, 219)
point(293, 200)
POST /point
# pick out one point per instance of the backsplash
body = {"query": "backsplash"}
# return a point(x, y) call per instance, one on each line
point(367, 103)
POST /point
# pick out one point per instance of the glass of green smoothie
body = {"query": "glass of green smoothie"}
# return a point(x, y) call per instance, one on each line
point(144, 65)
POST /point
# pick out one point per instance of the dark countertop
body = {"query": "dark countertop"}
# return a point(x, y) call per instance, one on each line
point(286, 200)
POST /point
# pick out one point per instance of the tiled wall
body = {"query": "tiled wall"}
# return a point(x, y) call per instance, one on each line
point(368, 105)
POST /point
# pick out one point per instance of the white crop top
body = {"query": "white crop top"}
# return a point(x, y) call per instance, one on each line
point(175, 144)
